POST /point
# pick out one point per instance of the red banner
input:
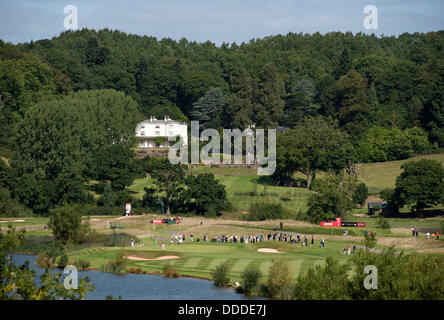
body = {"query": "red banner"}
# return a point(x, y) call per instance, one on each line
point(338, 223)
point(157, 221)
point(328, 224)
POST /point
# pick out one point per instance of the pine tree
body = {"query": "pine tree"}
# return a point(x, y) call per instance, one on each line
point(208, 107)
point(269, 110)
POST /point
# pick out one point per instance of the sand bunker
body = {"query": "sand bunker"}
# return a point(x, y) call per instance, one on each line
point(20, 220)
point(4, 221)
point(146, 259)
point(267, 250)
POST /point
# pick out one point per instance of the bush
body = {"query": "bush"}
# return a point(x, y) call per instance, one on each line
point(136, 270)
point(118, 239)
point(261, 211)
point(117, 265)
point(63, 261)
point(44, 261)
point(169, 271)
point(220, 275)
point(82, 264)
point(11, 207)
point(383, 223)
point(323, 282)
point(250, 277)
point(66, 225)
point(48, 258)
point(280, 277)
point(360, 194)
point(35, 244)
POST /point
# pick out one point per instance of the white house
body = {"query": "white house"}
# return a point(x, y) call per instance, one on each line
point(154, 133)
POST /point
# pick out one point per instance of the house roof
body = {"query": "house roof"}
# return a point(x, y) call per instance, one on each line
point(162, 121)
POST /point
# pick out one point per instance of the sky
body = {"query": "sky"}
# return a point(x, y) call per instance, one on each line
point(217, 20)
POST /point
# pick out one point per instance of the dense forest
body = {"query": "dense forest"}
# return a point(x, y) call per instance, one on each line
point(65, 100)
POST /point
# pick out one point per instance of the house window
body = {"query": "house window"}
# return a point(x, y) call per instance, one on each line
point(157, 133)
point(157, 127)
point(170, 133)
point(142, 133)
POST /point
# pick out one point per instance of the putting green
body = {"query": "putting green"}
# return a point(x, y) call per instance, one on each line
point(200, 259)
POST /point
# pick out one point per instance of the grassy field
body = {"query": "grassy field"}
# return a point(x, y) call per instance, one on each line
point(243, 187)
point(243, 190)
point(200, 259)
point(380, 175)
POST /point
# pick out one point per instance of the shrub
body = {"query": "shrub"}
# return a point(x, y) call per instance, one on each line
point(220, 275)
point(118, 264)
point(360, 194)
point(82, 264)
point(66, 225)
point(250, 277)
point(136, 270)
point(383, 223)
point(323, 282)
point(118, 239)
point(265, 211)
point(279, 277)
point(169, 271)
point(11, 207)
point(63, 261)
point(44, 261)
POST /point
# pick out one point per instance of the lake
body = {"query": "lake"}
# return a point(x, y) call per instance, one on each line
point(144, 287)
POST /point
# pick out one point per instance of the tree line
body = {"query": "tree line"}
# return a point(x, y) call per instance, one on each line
point(69, 105)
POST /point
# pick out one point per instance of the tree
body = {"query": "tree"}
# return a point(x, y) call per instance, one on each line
point(420, 185)
point(239, 105)
point(314, 144)
point(168, 180)
point(57, 140)
point(19, 282)
point(345, 64)
point(250, 278)
point(66, 225)
point(300, 103)
point(361, 193)
point(220, 275)
point(280, 278)
point(349, 97)
point(268, 112)
point(205, 194)
point(114, 163)
point(209, 107)
point(327, 282)
point(333, 197)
